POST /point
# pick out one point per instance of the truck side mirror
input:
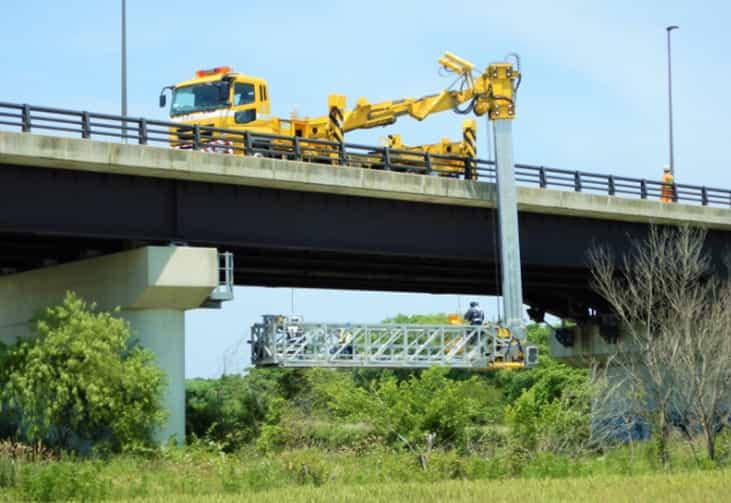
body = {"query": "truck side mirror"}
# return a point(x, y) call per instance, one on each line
point(162, 100)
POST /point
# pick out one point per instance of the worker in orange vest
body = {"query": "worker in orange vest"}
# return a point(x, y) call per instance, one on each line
point(666, 193)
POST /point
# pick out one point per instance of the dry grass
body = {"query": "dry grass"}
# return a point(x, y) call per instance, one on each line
point(710, 486)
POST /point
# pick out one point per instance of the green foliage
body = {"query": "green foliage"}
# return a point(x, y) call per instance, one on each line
point(273, 438)
point(8, 472)
point(547, 408)
point(8, 420)
point(552, 375)
point(547, 419)
point(64, 481)
point(404, 413)
point(81, 379)
point(304, 433)
point(419, 319)
point(308, 467)
point(234, 410)
point(201, 471)
point(227, 410)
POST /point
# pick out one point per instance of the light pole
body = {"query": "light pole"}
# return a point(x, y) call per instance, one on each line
point(124, 69)
point(670, 100)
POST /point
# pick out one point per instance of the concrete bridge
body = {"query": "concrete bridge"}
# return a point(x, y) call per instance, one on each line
point(288, 223)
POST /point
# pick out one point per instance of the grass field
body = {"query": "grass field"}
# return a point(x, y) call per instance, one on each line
point(199, 475)
point(712, 486)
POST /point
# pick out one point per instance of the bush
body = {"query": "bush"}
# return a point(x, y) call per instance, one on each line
point(63, 481)
point(307, 467)
point(224, 410)
point(232, 410)
point(8, 472)
point(303, 433)
point(81, 380)
point(554, 414)
point(408, 413)
point(273, 438)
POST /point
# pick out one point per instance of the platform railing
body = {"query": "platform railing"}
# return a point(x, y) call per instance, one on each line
point(284, 343)
point(91, 125)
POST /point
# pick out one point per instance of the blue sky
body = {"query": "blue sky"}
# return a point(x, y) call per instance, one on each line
point(593, 95)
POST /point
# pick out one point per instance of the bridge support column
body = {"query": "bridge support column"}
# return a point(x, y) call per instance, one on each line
point(162, 331)
point(584, 343)
point(153, 286)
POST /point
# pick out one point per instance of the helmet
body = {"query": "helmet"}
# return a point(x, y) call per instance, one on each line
point(666, 167)
point(474, 304)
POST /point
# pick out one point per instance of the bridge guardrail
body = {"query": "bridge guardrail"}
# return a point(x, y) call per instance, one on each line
point(29, 118)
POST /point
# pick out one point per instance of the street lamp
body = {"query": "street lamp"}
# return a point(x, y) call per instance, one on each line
point(670, 100)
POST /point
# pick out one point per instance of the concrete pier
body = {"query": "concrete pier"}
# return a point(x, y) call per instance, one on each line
point(585, 343)
point(153, 286)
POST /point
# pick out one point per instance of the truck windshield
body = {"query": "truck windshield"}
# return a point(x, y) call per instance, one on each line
point(199, 97)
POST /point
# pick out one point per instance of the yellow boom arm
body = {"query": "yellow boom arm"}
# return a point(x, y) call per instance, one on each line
point(491, 92)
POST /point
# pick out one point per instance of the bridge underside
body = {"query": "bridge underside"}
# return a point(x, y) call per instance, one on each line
point(301, 239)
point(558, 290)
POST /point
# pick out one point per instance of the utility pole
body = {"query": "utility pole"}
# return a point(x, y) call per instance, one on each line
point(670, 99)
point(124, 69)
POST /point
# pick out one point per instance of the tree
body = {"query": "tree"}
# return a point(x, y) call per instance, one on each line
point(232, 409)
point(704, 367)
point(81, 379)
point(673, 363)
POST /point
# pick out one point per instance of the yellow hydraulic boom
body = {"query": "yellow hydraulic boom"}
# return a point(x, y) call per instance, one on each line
point(491, 92)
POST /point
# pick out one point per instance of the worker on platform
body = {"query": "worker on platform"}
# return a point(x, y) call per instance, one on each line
point(474, 315)
point(345, 342)
point(666, 193)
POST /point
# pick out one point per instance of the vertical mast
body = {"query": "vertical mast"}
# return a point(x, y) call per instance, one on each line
point(507, 207)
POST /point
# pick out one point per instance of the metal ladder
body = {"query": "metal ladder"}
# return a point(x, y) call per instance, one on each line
point(225, 289)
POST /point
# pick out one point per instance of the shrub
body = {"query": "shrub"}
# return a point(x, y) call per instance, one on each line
point(273, 438)
point(8, 472)
point(552, 419)
point(302, 433)
point(408, 413)
point(81, 380)
point(225, 410)
point(63, 481)
point(307, 467)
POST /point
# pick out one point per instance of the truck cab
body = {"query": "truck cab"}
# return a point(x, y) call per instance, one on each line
point(220, 98)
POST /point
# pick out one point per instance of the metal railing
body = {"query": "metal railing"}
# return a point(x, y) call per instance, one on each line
point(225, 289)
point(29, 118)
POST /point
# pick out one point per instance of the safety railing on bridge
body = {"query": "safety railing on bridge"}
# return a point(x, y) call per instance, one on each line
point(29, 118)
